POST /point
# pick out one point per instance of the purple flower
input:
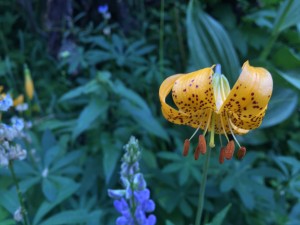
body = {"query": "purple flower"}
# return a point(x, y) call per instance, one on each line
point(139, 181)
point(124, 221)
point(151, 220)
point(116, 194)
point(148, 205)
point(133, 202)
point(122, 206)
point(103, 9)
point(141, 196)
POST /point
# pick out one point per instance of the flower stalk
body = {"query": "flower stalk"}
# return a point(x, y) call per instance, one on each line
point(20, 197)
point(202, 189)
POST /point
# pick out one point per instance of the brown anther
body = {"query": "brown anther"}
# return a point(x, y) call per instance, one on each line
point(197, 153)
point(202, 144)
point(229, 150)
point(241, 153)
point(222, 155)
point(186, 147)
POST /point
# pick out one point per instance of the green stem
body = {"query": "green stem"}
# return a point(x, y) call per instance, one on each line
point(21, 200)
point(161, 39)
point(202, 189)
point(275, 32)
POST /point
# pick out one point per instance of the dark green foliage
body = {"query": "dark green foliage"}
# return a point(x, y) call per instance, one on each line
point(100, 89)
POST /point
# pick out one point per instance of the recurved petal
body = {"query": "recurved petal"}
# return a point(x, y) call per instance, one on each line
point(247, 101)
point(194, 91)
point(171, 114)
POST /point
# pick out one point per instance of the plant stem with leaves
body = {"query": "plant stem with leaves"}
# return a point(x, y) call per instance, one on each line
point(20, 197)
point(276, 31)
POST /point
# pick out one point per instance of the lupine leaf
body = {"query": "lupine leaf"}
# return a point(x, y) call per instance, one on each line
point(219, 218)
point(209, 43)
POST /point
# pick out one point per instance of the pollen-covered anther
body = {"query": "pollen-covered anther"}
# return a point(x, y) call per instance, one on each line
point(241, 153)
point(202, 144)
point(197, 153)
point(222, 155)
point(186, 147)
point(229, 150)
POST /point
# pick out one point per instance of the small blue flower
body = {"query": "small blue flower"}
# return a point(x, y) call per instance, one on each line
point(5, 103)
point(139, 181)
point(103, 9)
point(122, 206)
point(116, 194)
point(151, 220)
point(17, 123)
point(148, 206)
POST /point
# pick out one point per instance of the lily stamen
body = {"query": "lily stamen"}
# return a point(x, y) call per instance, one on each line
point(229, 121)
point(186, 147)
point(212, 132)
point(208, 122)
point(223, 128)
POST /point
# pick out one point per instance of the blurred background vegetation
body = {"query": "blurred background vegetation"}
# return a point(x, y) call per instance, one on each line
point(96, 78)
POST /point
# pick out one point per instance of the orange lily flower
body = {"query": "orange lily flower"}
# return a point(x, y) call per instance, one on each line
point(205, 101)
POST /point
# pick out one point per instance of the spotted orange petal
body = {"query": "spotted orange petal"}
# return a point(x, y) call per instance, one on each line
point(247, 101)
point(170, 113)
point(192, 94)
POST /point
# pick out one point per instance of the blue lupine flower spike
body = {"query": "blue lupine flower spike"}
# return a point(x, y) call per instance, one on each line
point(133, 202)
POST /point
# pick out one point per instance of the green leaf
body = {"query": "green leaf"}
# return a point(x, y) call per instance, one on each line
point(184, 174)
point(282, 105)
point(288, 15)
point(49, 189)
point(9, 200)
point(67, 217)
point(173, 167)
point(8, 222)
point(169, 156)
point(48, 140)
point(219, 218)
point(291, 76)
point(291, 58)
point(88, 116)
point(257, 137)
point(50, 155)
point(168, 222)
point(185, 208)
point(148, 157)
point(228, 183)
point(46, 206)
point(209, 43)
point(145, 119)
point(66, 160)
point(3, 215)
point(81, 90)
point(110, 160)
point(294, 145)
point(133, 97)
point(246, 195)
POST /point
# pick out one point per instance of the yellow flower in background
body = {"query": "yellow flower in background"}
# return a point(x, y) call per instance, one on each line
point(29, 87)
point(205, 101)
point(19, 100)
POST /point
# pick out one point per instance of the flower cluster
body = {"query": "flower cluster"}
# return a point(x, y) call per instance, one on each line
point(103, 10)
point(133, 202)
point(8, 150)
